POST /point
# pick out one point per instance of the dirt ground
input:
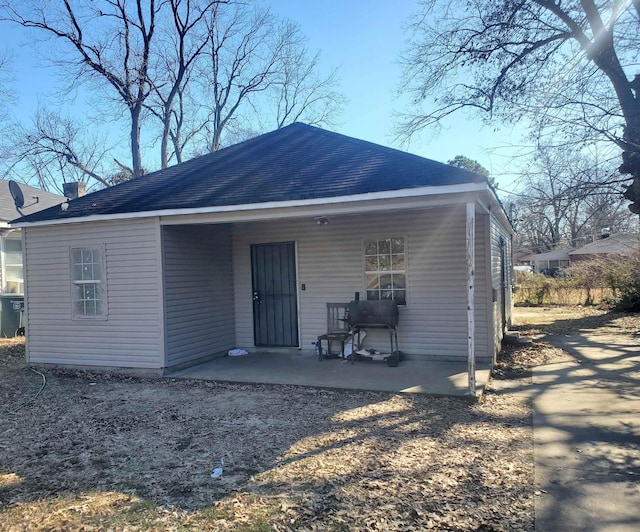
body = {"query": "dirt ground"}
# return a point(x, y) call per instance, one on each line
point(89, 451)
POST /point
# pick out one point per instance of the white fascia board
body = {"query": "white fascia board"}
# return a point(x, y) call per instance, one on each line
point(353, 200)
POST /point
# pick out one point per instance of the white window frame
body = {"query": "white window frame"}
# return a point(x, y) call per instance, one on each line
point(390, 270)
point(7, 266)
point(98, 280)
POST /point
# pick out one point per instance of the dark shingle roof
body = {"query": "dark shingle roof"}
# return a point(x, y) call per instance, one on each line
point(7, 208)
point(297, 162)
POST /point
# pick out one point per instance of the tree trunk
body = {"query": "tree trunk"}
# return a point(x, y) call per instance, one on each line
point(136, 157)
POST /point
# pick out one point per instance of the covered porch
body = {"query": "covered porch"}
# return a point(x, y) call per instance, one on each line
point(300, 368)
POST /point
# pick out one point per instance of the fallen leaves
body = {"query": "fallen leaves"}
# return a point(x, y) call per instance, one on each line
point(102, 451)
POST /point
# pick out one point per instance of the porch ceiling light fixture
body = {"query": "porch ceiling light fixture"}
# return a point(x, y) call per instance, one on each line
point(321, 220)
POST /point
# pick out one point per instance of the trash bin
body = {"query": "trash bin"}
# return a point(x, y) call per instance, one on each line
point(11, 310)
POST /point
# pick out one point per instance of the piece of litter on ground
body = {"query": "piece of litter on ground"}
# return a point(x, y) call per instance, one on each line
point(237, 352)
point(92, 383)
point(217, 471)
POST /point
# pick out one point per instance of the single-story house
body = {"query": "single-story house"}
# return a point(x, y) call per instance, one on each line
point(11, 278)
point(614, 244)
point(549, 262)
point(247, 246)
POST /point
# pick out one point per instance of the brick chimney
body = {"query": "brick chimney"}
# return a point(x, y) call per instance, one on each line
point(74, 190)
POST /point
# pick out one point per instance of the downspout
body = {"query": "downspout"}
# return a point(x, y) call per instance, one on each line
point(471, 266)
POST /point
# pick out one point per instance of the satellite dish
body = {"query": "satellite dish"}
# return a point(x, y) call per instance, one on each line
point(17, 195)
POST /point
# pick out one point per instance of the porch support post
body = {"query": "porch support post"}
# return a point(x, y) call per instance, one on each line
point(471, 266)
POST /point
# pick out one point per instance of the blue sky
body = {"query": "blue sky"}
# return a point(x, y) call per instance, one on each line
point(364, 39)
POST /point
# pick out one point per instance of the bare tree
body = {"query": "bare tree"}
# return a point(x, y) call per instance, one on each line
point(106, 40)
point(258, 68)
point(566, 65)
point(300, 92)
point(244, 49)
point(184, 42)
point(566, 199)
point(6, 80)
point(200, 68)
point(52, 148)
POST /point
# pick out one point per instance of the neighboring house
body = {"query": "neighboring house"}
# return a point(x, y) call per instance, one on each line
point(615, 244)
point(245, 247)
point(11, 278)
point(549, 262)
point(521, 257)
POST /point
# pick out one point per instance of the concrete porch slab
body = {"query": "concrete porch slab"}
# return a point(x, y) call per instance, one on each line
point(411, 376)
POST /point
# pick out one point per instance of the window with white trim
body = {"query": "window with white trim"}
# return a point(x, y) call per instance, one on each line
point(88, 283)
point(13, 281)
point(385, 269)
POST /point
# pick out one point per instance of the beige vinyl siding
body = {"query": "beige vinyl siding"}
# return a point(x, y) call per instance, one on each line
point(132, 334)
point(482, 289)
point(2, 261)
point(330, 265)
point(498, 234)
point(198, 292)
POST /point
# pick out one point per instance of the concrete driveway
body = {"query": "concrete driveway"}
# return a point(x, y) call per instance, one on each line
point(587, 436)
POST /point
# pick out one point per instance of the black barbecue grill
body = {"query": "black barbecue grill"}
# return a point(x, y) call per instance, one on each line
point(363, 315)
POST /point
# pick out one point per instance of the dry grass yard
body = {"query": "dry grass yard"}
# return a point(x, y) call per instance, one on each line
point(92, 451)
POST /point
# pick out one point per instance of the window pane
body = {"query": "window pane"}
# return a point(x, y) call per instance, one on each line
point(96, 271)
point(400, 297)
point(13, 259)
point(373, 295)
point(371, 248)
point(13, 273)
point(373, 281)
point(89, 291)
point(386, 294)
point(398, 281)
point(385, 262)
point(397, 262)
point(371, 264)
point(81, 292)
point(397, 245)
point(13, 252)
point(385, 281)
point(13, 246)
point(384, 247)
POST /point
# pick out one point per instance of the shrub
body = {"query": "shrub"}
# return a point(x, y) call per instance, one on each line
point(613, 280)
point(630, 290)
